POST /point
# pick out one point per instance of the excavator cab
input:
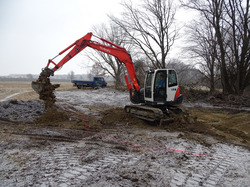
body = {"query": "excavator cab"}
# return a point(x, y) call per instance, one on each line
point(161, 88)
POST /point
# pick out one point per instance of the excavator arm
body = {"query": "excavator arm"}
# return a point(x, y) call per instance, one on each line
point(78, 46)
point(117, 51)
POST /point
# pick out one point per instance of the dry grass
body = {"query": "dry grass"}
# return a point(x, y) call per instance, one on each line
point(230, 124)
point(23, 90)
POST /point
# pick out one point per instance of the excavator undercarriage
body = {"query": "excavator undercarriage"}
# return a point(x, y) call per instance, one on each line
point(150, 113)
point(145, 112)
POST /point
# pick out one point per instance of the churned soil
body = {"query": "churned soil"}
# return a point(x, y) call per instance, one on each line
point(224, 125)
point(86, 139)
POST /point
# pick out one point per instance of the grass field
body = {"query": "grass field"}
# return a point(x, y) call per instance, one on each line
point(23, 90)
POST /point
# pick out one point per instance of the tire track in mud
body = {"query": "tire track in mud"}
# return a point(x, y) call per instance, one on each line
point(89, 167)
point(96, 161)
point(93, 161)
point(66, 165)
point(12, 95)
point(208, 171)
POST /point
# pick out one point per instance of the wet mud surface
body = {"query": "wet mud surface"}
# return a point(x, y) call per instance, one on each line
point(15, 110)
point(93, 142)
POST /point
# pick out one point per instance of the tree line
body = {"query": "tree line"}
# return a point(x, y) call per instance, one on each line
point(218, 40)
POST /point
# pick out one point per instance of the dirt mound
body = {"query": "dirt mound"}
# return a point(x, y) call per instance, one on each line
point(183, 121)
point(116, 116)
point(21, 110)
point(175, 122)
point(52, 116)
point(217, 98)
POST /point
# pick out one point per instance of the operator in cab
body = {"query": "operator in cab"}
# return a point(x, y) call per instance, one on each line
point(161, 83)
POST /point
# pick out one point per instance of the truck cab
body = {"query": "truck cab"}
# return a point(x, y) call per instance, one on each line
point(96, 82)
point(99, 81)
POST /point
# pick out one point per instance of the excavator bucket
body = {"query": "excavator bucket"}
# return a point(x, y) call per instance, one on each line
point(37, 86)
point(41, 87)
point(43, 84)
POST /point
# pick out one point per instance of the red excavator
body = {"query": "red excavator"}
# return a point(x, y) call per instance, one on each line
point(160, 94)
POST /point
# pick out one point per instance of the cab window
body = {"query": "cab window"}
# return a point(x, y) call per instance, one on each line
point(172, 78)
point(148, 89)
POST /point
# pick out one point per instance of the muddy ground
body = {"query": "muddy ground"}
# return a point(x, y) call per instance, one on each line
point(88, 140)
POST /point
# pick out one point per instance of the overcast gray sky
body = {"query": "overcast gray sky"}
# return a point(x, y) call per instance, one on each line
point(33, 31)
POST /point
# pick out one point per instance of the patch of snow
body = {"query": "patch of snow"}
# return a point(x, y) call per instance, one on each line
point(83, 100)
point(12, 95)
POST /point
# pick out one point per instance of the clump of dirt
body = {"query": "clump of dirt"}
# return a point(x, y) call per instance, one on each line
point(183, 121)
point(47, 94)
point(45, 89)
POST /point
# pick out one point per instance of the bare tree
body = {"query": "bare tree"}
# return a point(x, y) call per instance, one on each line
point(151, 28)
point(203, 48)
point(97, 71)
point(230, 21)
point(107, 62)
point(238, 41)
point(187, 75)
point(29, 76)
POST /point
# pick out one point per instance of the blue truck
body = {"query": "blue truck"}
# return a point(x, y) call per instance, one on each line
point(96, 82)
